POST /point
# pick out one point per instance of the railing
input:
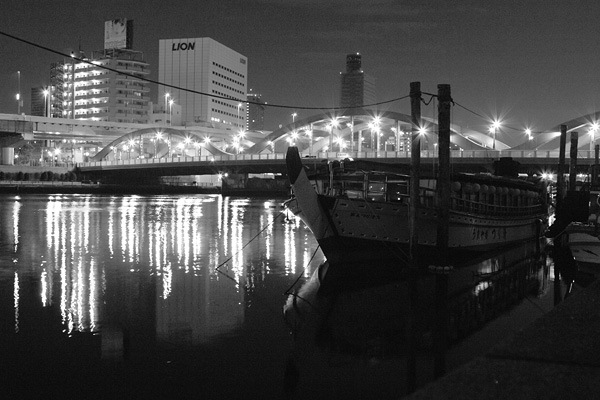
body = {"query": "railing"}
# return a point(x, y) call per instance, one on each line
point(174, 160)
point(425, 154)
point(490, 154)
point(470, 206)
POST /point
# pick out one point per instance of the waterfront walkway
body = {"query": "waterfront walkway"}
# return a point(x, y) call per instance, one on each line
point(557, 357)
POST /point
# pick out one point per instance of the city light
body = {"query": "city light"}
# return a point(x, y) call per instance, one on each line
point(493, 130)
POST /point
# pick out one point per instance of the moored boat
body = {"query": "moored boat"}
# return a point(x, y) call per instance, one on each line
point(360, 215)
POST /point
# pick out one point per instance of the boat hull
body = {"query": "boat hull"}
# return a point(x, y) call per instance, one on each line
point(378, 232)
point(353, 228)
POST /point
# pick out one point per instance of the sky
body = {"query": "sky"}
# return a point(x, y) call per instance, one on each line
point(529, 63)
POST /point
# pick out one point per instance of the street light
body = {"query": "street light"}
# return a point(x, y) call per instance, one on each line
point(334, 124)
point(19, 93)
point(493, 129)
point(374, 127)
point(45, 92)
point(294, 115)
point(593, 130)
point(166, 101)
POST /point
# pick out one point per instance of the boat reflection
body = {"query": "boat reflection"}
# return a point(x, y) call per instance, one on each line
point(372, 323)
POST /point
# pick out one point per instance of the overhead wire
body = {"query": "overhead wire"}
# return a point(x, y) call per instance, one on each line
point(84, 60)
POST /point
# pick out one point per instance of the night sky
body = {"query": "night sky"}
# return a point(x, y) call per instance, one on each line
point(528, 62)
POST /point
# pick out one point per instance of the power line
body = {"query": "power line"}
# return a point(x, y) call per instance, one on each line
point(190, 90)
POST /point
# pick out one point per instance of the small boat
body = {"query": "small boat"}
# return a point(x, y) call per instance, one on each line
point(359, 211)
point(583, 241)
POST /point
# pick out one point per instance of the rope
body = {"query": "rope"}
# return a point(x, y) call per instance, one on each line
point(244, 246)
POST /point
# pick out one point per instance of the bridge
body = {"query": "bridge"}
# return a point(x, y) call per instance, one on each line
point(107, 148)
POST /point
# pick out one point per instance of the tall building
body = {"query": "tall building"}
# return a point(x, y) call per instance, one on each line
point(204, 68)
point(357, 88)
point(255, 115)
point(109, 85)
point(39, 101)
point(56, 89)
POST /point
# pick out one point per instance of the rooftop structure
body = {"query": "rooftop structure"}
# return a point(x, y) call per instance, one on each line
point(357, 88)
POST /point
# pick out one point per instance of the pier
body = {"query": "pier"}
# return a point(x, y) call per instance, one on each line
point(556, 357)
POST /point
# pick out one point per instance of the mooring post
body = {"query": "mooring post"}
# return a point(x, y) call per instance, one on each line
point(594, 168)
point(573, 162)
point(443, 197)
point(413, 294)
point(415, 165)
point(560, 174)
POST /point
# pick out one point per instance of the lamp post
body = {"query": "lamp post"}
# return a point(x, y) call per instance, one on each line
point(493, 129)
point(294, 115)
point(334, 124)
point(19, 93)
point(45, 92)
point(593, 130)
point(166, 101)
point(310, 136)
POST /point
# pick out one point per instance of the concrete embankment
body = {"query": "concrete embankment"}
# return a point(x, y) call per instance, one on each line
point(557, 357)
point(92, 188)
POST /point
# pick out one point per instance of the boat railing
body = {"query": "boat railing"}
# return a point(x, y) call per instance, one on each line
point(475, 207)
point(395, 189)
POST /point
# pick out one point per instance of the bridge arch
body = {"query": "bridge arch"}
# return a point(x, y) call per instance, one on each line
point(160, 142)
point(315, 133)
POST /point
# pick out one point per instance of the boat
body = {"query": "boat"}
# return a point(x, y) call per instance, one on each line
point(359, 211)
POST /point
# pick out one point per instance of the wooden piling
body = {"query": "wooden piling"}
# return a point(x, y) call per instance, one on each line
point(560, 174)
point(594, 168)
point(443, 193)
point(415, 166)
point(573, 161)
point(413, 293)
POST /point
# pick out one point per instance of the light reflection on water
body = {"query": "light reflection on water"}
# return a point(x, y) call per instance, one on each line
point(132, 273)
point(100, 260)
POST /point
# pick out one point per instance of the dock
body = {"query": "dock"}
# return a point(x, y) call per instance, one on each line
point(556, 357)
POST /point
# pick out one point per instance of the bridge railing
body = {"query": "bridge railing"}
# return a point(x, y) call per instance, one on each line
point(207, 159)
point(475, 154)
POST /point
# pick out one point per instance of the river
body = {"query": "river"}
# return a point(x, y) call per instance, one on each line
point(182, 296)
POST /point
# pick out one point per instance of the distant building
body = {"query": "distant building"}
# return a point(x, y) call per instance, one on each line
point(357, 88)
point(108, 86)
point(204, 67)
point(255, 115)
point(165, 116)
point(57, 81)
point(39, 102)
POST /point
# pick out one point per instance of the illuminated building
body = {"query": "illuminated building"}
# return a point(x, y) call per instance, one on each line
point(203, 66)
point(357, 88)
point(255, 112)
point(56, 96)
point(38, 102)
point(107, 86)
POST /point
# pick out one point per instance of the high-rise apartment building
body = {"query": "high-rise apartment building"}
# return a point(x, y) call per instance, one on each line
point(205, 77)
point(108, 86)
point(255, 115)
point(357, 88)
point(56, 90)
point(39, 99)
